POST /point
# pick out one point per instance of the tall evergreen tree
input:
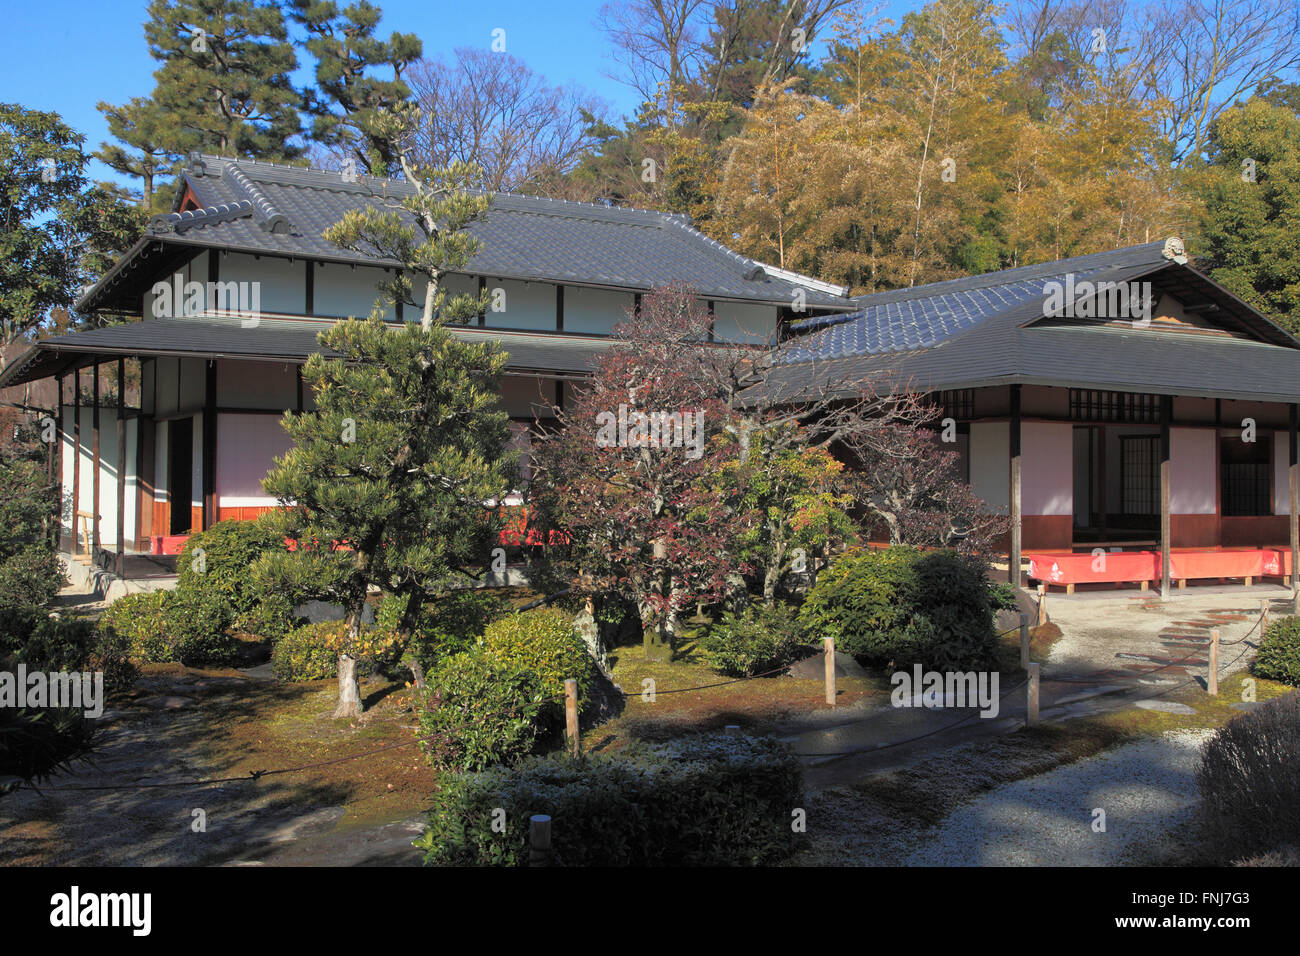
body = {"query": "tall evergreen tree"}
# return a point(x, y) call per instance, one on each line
point(141, 131)
point(224, 77)
point(349, 96)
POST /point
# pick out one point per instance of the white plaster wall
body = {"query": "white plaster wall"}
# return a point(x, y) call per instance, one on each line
point(743, 323)
point(1192, 484)
point(196, 270)
point(344, 291)
point(246, 447)
point(595, 311)
point(282, 284)
point(990, 455)
point(1046, 468)
point(526, 305)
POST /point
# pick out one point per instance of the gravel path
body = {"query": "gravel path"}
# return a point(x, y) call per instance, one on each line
point(1147, 790)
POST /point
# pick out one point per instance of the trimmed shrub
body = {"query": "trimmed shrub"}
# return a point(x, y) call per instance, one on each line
point(197, 626)
point(1279, 652)
point(311, 652)
point(898, 606)
point(65, 644)
point(544, 643)
point(701, 801)
point(216, 563)
point(756, 640)
point(1249, 778)
point(30, 577)
point(139, 619)
point(476, 712)
point(162, 627)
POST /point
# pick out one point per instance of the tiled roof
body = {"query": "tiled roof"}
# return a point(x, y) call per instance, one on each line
point(990, 330)
point(268, 208)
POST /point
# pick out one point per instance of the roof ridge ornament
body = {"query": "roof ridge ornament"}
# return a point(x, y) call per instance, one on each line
point(271, 219)
point(1175, 250)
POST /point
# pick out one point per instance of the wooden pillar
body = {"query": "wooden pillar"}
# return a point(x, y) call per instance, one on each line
point(1013, 558)
point(76, 456)
point(94, 478)
point(1103, 505)
point(1166, 417)
point(210, 445)
point(121, 468)
point(56, 480)
point(1294, 517)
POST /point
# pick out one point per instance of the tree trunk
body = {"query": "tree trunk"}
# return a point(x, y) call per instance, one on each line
point(349, 688)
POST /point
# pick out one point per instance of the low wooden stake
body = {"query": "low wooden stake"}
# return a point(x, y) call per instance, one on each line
point(571, 716)
point(1024, 641)
point(1212, 677)
point(830, 670)
point(1031, 691)
point(539, 840)
point(1042, 604)
point(1263, 616)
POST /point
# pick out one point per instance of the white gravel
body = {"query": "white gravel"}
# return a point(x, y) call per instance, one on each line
point(1147, 790)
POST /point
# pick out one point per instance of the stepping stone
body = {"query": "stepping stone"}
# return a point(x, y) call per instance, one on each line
point(1165, 707)
point(165, 703)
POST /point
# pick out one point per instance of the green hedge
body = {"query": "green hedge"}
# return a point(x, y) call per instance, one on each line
point(898, 606)
point(30, 577)
point(1279, 652)
point(451, 624)
point(544, 643)
point(703, 801)
point(311, 652)
point(181, 626)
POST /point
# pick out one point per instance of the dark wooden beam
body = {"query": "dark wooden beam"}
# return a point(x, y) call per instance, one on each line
point(56, 479)
point(1294, 517)
point(309, 302)
point(482, 287)
point(76, 454)
point(559, 308)
point(1166, 420)
point(210, 445)
point(94, 493)
point(1013, 557)
point(121, 468)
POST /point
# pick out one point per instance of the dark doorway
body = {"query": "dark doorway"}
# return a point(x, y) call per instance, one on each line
point(180, 473)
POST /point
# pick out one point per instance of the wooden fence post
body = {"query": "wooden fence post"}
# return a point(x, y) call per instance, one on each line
point(571, 716)
point(1212, 677)
point(1263, 616)
point(539, 840)
point(1024, 641)
point(1042, 604)
point(830, 670)
point(1031, 691)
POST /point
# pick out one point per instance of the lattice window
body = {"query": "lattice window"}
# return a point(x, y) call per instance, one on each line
point(1139, 474)
point(1088, 405)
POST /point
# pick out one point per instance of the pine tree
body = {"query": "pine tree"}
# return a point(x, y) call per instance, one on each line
point(142, 130)
point(224, 78)
point(349, 96)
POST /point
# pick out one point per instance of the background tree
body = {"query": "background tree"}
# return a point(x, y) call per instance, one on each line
point(60, 231)
point(488, 109)
point(348, 95)
point(140, 130)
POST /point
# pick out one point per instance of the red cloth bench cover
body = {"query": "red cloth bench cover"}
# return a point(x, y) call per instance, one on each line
point(1193, 565)
point(1082, 568)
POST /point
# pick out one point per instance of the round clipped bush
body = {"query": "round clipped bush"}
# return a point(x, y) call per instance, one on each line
point(1249, 778)
point(1279, 652)
point(197, 626)
point(217, 563)
point(30, 577)
point(756, 640)
point(544, 643)
point(478, 711)
point(311, 652)
point(139, 618)
point(898, 606)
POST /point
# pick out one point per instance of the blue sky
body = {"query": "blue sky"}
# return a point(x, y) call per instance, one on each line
point(67, 55)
